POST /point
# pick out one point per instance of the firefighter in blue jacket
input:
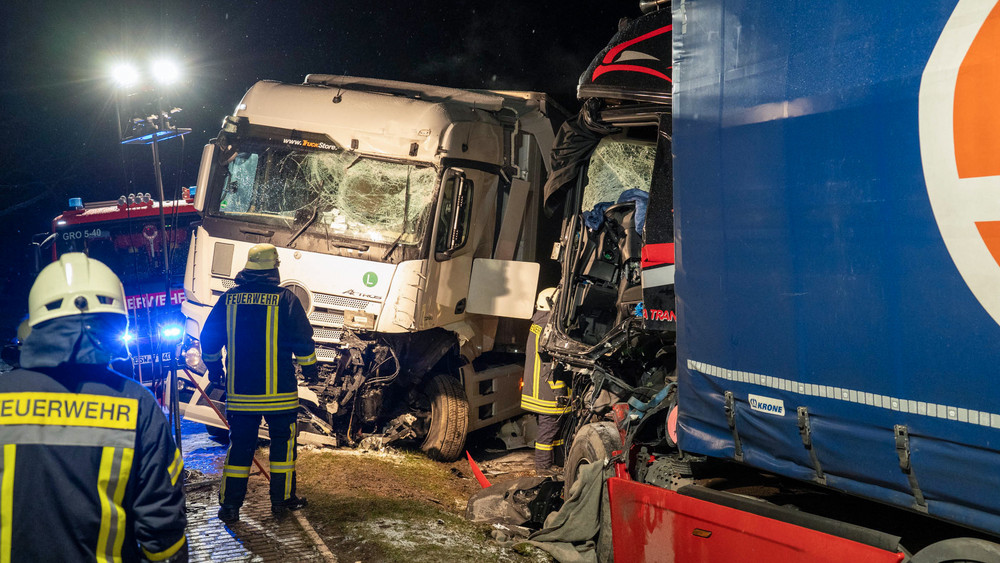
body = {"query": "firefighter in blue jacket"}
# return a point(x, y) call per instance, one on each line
point(262, 326)
point(88, 468)
point(543, 391)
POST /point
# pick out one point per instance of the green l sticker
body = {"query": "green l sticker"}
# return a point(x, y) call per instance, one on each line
point(369, 279)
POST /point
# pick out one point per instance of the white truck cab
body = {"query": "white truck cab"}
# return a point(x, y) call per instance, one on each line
point(405, 218)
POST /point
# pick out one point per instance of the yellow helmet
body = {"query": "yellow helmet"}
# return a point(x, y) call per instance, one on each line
point(74, 285)
point(262, 257)
point(545, 297)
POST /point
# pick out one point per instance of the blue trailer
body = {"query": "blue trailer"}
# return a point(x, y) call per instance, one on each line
point(836, 258)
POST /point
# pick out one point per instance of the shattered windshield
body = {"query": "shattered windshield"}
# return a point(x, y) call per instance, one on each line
point(615, 167)
point(329, 192)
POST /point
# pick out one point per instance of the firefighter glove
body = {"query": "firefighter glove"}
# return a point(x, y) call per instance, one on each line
point(216, 374)
point(311, 373)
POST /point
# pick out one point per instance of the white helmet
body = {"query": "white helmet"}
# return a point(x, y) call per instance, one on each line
point(74, 285)
point(545, 299)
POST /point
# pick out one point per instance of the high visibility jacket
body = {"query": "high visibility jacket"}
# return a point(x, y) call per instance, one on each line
point(88, 469)
point(541, 391)
point(262, 327)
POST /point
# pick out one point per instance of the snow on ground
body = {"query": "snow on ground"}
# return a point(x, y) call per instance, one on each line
point(416, 536)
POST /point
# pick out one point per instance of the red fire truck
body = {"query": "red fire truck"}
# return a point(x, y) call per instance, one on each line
point(128, 236)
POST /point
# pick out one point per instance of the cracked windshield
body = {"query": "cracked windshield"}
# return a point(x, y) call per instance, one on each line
point(335, 193)
point(615, 168)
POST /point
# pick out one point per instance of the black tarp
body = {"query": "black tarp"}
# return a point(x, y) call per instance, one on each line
point(575, 142)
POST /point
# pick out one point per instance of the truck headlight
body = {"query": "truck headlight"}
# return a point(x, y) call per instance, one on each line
point(192, 355)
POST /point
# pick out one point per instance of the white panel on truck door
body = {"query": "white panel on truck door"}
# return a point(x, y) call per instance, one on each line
point(503, 288)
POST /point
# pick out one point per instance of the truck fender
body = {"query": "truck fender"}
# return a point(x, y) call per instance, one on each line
point(956, 550)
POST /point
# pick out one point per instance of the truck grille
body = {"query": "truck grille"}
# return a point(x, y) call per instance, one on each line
point(342, 302)
point(327, 335)
point(326, 355)
point(332, 318)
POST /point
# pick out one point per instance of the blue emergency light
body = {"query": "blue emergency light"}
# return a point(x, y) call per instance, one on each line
point(171, 332)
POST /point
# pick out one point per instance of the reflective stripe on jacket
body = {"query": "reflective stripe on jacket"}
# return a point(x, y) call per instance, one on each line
point(540, 391)
point(262, 327)
point(88, 469)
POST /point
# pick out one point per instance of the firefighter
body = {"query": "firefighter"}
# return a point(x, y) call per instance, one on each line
point(262, 327)
point(543, 391)
point(88, 469)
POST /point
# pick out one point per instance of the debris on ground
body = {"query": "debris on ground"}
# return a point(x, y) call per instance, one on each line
point(579, 532)
point(520, 502)
point(398, 506)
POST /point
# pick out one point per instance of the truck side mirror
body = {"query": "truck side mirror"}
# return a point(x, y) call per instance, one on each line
point(203, 175)
point(456, 214)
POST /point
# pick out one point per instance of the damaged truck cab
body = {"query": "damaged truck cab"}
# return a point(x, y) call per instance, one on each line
point(405, 218)
point(613, 324)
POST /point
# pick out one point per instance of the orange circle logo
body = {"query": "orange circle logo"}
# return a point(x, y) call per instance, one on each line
point(960, 144)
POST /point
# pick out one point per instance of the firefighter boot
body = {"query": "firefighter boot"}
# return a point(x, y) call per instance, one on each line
point(293, 503)
point(229, 514)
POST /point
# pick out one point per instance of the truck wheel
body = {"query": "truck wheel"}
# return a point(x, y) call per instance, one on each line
point(959, 550)
point(593, 443)
point(449, 421)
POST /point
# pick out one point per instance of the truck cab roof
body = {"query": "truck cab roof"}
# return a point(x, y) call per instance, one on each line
point(416, 119)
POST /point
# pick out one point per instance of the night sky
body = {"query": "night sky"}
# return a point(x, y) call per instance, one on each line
point(57, 103)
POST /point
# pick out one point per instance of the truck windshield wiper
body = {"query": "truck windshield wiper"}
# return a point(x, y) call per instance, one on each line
point(406, 214)
point(393, 246)
point(302, 229)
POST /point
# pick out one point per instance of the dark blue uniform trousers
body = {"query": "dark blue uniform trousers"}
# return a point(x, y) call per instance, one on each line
point(243, 428)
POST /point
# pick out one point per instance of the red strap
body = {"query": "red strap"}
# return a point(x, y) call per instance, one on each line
point(483, 481)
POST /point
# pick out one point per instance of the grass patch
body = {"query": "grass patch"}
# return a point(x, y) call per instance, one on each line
point(397, 507)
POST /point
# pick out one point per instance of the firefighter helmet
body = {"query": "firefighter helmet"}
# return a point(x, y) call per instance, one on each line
point(545, 299)
point(74, 285)
point(262, 257)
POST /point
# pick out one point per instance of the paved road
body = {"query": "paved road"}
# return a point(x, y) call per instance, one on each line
point(258, 536)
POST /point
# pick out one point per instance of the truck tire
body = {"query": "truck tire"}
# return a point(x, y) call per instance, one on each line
point(592, 443)
point(959, 550)
point(449, 423)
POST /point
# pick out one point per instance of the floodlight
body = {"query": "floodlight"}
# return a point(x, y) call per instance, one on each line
point(124, 75)
point(166, 71)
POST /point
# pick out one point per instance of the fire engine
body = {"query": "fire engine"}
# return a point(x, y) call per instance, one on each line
point(127, 235)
